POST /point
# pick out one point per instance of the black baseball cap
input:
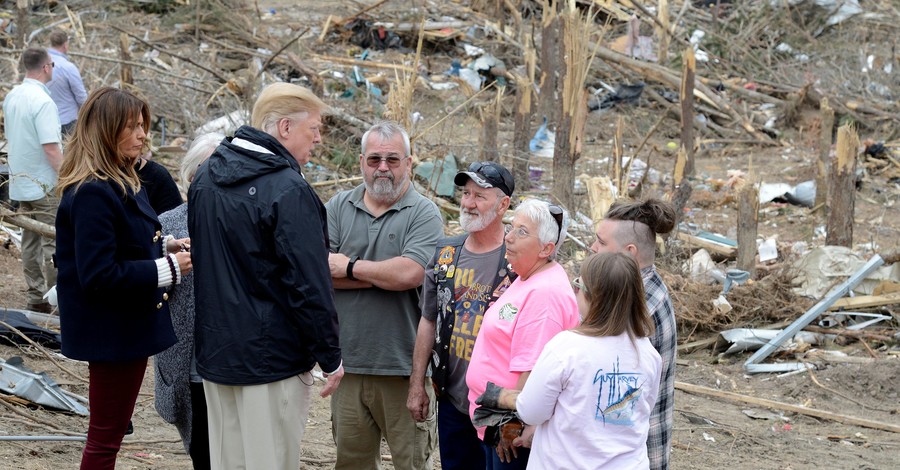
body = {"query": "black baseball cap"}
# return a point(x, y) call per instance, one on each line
point(488, 175)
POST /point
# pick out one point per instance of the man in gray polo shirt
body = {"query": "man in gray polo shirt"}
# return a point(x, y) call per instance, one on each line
point(383, 233)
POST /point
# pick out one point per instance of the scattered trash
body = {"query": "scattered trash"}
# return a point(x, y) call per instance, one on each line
point(439, 174)
point(734, 276)
point(543, 142)
point(226, 124)
point(767, 250)
point(707, 437)
point(626, 94)
point(366, 35)
point(742, 339)
point(699, 54)
point(752, 365)
point(818, 270)
point(703, 269)
point(18, 380)
point(804, 194)
point(721, 305)
point(763, 414)
point(633, 44)
point(19, 319)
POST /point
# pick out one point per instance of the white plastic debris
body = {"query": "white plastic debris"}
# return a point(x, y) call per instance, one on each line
point(768, 250)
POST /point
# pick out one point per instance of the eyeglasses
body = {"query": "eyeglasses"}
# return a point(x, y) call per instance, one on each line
point(578, 285)
point(51, 64)
point(555, 211)
point(375, 162)
point(519, 233)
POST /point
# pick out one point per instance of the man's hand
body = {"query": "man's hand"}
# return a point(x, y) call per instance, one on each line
point(331, 382)
point(417, 402)
point(337, 263)
point(509, 432)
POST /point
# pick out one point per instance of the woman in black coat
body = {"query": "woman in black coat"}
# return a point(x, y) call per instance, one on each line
point(114, 265)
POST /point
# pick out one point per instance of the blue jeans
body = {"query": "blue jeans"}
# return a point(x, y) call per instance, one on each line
point(494, 463)
point(460, 446)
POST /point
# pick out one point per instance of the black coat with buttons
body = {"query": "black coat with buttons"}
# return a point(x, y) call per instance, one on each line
point(107, 242)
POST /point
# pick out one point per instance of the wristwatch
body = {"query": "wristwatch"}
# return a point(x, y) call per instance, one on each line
point(353, 260)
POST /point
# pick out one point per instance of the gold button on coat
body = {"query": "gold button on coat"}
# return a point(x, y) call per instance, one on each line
point(159, 306)
point(165, 296)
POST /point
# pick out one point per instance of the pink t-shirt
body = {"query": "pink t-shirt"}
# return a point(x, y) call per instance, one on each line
point(516, 328)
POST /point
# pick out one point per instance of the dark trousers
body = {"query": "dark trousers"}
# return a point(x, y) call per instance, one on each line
point(493, 461)
point(199, 428)
point(460, 446)
point(67, 129)
point(113, 390)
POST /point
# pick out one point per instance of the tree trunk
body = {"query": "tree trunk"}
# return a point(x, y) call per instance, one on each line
point(842, 190)
point(522, 130)
point(23, 23)
point(827, 117)
point(490, 117)
point(748, 220)
point(551, 65)
point(125, 76)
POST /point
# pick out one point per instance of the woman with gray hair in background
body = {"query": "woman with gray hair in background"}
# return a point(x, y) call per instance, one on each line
point(517, 326)
point(179, 390)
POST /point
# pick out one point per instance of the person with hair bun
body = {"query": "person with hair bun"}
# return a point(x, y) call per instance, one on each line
point(631, 227)
point(115, 265)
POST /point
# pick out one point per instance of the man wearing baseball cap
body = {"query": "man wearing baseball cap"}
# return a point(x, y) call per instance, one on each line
point(464, 277)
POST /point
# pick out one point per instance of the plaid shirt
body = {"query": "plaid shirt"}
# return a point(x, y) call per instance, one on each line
point(659, 304)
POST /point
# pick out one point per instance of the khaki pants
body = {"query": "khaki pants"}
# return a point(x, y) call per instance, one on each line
point(37, 251)
point(366, 407)
point(257, 427)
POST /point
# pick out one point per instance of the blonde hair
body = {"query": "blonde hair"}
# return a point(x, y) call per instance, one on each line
point(202, 147)
point(92, 150)
point(283, 100)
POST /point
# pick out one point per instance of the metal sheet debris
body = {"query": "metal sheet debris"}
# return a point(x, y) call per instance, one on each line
point(18, 380)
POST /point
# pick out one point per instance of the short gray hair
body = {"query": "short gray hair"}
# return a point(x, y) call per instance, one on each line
point(386, 130)
point(548, 230)
point(201, 148)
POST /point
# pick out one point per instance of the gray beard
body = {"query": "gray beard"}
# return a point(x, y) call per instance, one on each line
point(476, 223)
point(383, 190)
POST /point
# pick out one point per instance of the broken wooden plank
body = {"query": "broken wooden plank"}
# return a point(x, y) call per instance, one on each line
point(866, 301)
point(713, 247)
point(739, 398)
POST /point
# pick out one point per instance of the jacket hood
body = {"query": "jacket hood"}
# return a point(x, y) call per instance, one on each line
point(232, 164)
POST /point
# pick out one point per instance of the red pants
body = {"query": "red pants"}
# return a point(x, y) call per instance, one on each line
point(114, 388)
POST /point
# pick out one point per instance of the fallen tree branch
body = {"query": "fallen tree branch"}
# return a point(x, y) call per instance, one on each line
point(27, 223)
point(43, 351)
point(736, 397)
point(177, 56)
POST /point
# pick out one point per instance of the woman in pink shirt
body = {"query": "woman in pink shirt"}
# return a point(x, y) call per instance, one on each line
point(532, 311)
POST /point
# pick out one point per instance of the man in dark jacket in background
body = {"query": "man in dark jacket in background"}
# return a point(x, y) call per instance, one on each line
point(265, 311)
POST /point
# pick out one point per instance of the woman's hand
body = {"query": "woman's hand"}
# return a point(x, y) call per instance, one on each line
point(526, 438)
point(184, 261)
point(178, 245)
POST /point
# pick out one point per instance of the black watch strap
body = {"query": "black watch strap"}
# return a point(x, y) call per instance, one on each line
point(353, 260)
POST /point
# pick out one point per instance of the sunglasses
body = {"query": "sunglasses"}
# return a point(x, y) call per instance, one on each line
point(557, 214)
point(490, 171)
point(578, 285)
point(392, 162)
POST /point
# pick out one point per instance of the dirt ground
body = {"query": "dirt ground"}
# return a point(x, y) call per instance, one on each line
point(709, 432)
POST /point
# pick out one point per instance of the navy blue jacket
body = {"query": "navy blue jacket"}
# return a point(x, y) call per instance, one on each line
point(106, 246)
point(263, 297)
